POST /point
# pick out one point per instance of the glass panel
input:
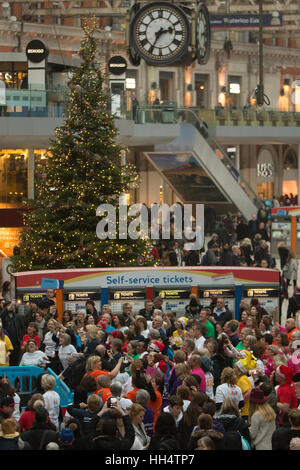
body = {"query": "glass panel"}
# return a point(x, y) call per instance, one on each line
point(13, 176)
point(187, 177)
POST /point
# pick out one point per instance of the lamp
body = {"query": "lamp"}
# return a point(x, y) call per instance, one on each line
point(223, 89)
point(189, 87)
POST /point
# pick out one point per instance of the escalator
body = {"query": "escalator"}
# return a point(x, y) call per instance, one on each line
point(199, 170)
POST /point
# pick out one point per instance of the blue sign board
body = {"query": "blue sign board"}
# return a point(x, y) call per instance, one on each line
point(245, 20)
point(51, 283)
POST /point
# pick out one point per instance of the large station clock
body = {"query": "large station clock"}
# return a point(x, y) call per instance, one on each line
point(202, 34)
point(160, 33)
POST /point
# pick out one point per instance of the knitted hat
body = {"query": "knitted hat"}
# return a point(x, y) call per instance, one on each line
point(157, 346)
point(162, 366)
point(285, 372)
point(66, 435)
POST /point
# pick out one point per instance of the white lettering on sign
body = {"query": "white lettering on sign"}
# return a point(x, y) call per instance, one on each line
point(265, 170)
point(35, 51)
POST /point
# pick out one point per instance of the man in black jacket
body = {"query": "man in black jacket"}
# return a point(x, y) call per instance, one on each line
point(220, 313)
point(41, 432)
point(294, 304)
point(109, 437)
point(13, 324)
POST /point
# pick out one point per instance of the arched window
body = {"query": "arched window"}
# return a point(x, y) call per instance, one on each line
point(290, 161)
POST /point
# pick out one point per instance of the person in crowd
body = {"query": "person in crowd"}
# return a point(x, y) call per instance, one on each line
point(28, 416)
point(234, 425)
point(261, 420)
point(228, 389)
point(220, 313)
point(290, 270)
point(5, 348)
point(51, 398)
point(33, 356)
point(13, 324)
point(286, 393)
point(41, 432)
point(137, 415)
point(9, 435)
point(283, 435)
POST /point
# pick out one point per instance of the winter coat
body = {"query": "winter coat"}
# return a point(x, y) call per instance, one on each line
point(232, 424)
point(40, 434)
point(116, 443)
point(9, 442)
point(290, 269)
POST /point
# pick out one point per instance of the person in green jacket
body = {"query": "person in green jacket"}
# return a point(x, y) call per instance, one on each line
point(204, 315)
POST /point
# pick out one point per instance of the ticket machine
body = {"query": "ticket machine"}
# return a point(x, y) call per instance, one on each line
point(268, 297)
point(174, 300)
point(227, 293)
point(119, 297)
point(75, 301)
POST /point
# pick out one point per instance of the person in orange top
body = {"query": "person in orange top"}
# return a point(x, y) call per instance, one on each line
point(290, 326)
point(156, 405)
point(103, 382)
point(94, 364)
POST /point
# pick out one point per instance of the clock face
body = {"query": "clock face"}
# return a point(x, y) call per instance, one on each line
point(202, 34)
point(160, 33)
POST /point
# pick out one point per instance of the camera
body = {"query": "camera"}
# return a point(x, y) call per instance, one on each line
point(112, 401)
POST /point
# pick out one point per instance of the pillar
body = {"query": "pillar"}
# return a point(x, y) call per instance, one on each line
point(30, 181)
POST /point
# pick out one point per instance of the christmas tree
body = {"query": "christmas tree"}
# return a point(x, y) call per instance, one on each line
point(83, 171)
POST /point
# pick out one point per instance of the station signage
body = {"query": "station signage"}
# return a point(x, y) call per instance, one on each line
point(117, 65)
point(128, 295)
point(207, 293)
point(261, 293)
point(33, 296)
point(36, 51)
point(245, 20)
point(174, 294)
point(83, 296)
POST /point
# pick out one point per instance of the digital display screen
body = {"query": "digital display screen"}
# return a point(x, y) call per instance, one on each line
point(207, 293)
point(174, 294)
point(127, 295)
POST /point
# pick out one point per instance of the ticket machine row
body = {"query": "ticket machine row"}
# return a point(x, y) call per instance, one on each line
point(174, 300)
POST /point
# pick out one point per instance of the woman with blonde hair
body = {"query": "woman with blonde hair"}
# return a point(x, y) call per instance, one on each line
point(261, 420)
point(142, 440)
point(235, 426)
point(181, 371)
point(51, 398)
point(228, 389)
point(93, 367)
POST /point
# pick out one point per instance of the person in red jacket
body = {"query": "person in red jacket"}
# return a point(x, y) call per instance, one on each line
point(32, 333)
point(286, 393)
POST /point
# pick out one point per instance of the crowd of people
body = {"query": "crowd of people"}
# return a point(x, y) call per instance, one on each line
point(151, 380)
point(231, 241)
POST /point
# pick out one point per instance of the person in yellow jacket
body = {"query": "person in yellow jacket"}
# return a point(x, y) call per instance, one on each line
point(243, 381)
point(180, 333)
point(5, 348)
